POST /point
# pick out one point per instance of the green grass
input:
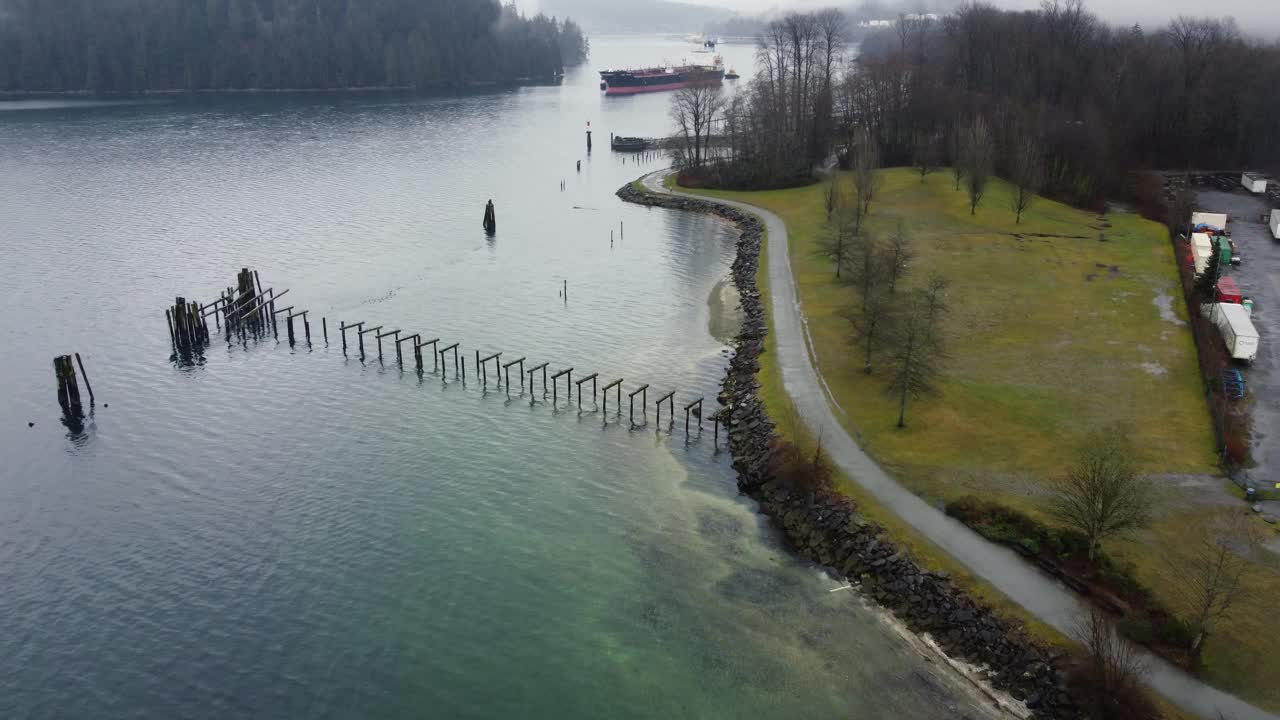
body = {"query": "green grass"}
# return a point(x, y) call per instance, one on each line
point(1045, 345)
point(1053, 333)
point(778, 405)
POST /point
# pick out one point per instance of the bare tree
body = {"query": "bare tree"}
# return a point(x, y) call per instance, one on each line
point(1114, 666)
point(872, 322)
point(864, 266)
point(956, 148)
point(695, 109)
point(924, 153)
point(1212, 575)
point(1027, 172)
point(1102, 494)
point(915, 356)
point(978, 155)
point(837, 241)
point(897, 256)
point(832, 194)
point(936, 305)
point(866, 160)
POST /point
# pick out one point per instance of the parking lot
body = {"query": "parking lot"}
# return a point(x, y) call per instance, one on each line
point(1258, 276)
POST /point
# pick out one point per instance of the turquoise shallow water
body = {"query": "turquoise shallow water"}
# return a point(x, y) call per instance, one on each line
point(279, 532)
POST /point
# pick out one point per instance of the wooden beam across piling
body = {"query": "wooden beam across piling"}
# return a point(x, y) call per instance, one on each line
point(360, 336)
point(483, 364)
point(379, 337)
point(615, 384)
point(643, 401)
point(343, 328)
point(532, 370)
point(592, 377)
point(406, 338)
point(555, 384)
point(506, 367)
point(687, 408)
point(435, 357)
point(669, 398)
point(454, 348)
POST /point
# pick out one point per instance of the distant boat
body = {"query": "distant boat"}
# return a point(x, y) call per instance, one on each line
point(629, 144)
point(732, 75)
point(629, 82)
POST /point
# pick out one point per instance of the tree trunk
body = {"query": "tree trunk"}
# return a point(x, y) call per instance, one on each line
point(902, 407)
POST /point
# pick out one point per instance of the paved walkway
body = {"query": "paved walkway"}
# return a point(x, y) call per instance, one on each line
point(1038, 593)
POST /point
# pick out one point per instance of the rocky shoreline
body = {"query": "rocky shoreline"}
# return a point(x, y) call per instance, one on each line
point(825, 526)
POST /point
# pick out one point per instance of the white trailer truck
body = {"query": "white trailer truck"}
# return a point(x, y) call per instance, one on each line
point(1201, 249)
point(1238, 332)
point(1213, 220)
point(1253, 182)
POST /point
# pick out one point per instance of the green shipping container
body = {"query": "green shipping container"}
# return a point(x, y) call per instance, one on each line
point(1224, 250)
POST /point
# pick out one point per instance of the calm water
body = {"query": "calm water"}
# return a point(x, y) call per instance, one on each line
point(281, 532)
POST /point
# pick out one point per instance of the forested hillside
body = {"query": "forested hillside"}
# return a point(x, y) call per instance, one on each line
point(150, 45)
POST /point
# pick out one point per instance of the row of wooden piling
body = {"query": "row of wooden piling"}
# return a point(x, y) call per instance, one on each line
point(502, 373)
point(249, 310)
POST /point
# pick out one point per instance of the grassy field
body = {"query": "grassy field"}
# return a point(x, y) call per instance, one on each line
point(1062, 324)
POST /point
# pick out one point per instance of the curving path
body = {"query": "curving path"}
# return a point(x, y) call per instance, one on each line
point(1039, 594)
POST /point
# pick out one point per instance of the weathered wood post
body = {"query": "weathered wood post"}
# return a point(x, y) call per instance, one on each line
point(435, 358)
point(643, 391)
point(669, 398)
point(324, 327)
point(506, 367)
point(168, 319)
point(343, 328)
point(386, 334)
point(85, 375)
point(454, 348)
point(615, 384)
point(68, 390)
point(555, 384)
point(490, 218)
point(400, 356)
point(361, 335)
point(697, 413)
point(592, 377)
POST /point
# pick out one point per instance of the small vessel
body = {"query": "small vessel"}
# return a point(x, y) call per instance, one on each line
point(732, 75)
point(630, 82)
point(628, 144)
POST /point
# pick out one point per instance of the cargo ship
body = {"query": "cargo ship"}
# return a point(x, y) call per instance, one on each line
point(630, 82)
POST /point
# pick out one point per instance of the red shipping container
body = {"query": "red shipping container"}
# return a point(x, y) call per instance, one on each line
point(1228, 292)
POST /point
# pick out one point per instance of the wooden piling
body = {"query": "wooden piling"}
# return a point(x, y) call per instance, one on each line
point(687, 409)
point(643, 392)
point(490, 218)
point(68, 390)
point(615, 384)
point(669, 398)
point(379, 337)
point(555, 383)
point(592, 377)
point(506, 367)
point(168, 318)
point(435, 359)
point(324, 326)
point(343, 328)
point(85, 375)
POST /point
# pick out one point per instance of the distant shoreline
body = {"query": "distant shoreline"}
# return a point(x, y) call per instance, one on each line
point(89, 94)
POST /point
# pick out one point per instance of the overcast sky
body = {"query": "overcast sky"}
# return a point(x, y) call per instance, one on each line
point(1255, 17)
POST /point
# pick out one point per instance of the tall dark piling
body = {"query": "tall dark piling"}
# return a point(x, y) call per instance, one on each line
point(68, 389)
point(490, 218)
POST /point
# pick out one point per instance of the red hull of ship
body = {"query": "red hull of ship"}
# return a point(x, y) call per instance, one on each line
point(634, 89)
